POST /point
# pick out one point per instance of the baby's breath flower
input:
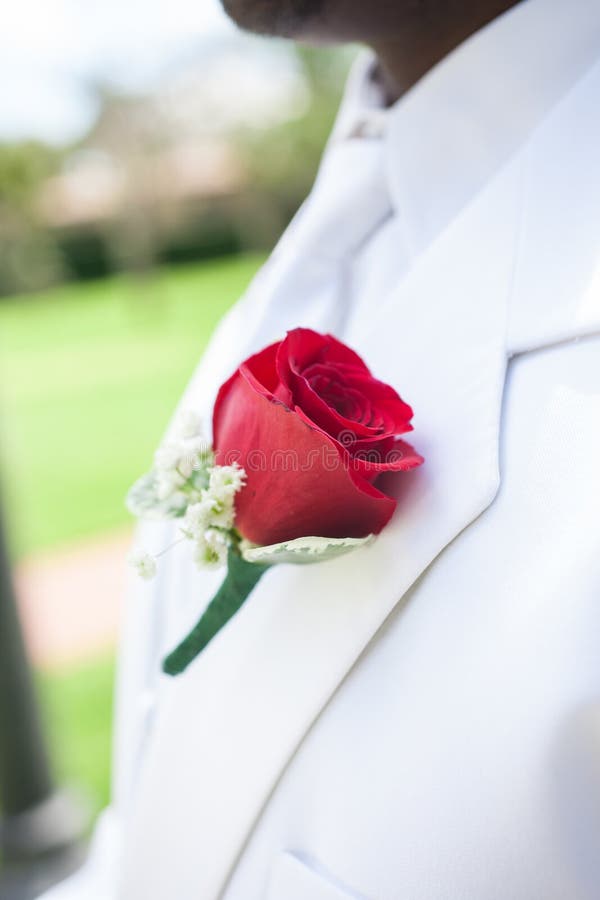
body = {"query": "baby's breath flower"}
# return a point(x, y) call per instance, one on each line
point(195, 454)
point(186, 465)
point(208, 513)
point(211, 549)
point(197, 519)
point(168, 483)
point(218, 542)
point(167, 456)
point(143, 563)
point(221, 511)
point(226, 481)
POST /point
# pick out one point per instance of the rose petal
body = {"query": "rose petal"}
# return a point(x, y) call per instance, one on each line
point(400, 457)
point(303, 484)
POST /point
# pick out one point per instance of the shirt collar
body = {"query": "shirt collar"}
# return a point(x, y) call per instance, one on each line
point(447, 136)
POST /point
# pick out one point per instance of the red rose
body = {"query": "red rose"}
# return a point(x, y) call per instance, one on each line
point(313, 429)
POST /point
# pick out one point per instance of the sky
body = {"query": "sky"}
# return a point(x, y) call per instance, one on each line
point(52, 50)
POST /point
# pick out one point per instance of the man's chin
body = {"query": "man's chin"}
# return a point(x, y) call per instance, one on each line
point(282, 18)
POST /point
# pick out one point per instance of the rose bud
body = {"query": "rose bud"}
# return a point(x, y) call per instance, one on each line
point(313, 430)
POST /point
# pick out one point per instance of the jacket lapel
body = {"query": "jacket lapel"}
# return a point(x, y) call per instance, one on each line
point(227, 729)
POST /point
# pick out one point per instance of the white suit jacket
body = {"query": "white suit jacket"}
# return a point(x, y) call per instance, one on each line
point(420, 719)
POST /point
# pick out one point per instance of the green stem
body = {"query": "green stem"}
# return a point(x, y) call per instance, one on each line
point(241, 579)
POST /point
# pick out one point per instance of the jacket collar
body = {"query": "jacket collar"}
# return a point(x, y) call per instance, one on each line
point(448, 135)
point(556, 295)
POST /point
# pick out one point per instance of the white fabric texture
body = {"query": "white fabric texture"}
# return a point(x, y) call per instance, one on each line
point(419, 719)
point(293, 879)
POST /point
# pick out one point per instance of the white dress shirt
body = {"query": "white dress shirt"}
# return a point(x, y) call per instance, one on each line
point(419, 719)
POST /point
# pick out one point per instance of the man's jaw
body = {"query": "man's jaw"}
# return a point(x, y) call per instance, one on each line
point(281, 18)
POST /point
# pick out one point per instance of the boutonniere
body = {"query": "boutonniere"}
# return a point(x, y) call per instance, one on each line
point(301, 432)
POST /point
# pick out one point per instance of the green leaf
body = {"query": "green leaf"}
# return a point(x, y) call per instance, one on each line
point(303, 550)
point(241, 579)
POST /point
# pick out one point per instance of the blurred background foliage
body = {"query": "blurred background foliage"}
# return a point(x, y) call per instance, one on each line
point(78, 708)
point(120, 249)
point(159, 178)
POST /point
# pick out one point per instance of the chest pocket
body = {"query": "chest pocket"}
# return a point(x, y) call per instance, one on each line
point(292, 879)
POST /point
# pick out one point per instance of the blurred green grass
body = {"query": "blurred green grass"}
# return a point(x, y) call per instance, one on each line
point(78, 706)
point(89, 375)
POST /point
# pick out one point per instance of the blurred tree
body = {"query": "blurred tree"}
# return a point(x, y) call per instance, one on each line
point(162, 176)
point(22, 169)
point(29, 256)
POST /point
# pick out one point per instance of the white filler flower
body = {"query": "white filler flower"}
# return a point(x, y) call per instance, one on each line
point(211, 549)
point(185, 484)
point(209, 522)
point(226, 481)
point(143, 563)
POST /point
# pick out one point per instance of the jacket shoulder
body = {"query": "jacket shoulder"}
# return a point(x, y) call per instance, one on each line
point(556, 280)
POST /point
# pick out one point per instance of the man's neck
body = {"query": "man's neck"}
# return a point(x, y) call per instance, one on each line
point(404, 60)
